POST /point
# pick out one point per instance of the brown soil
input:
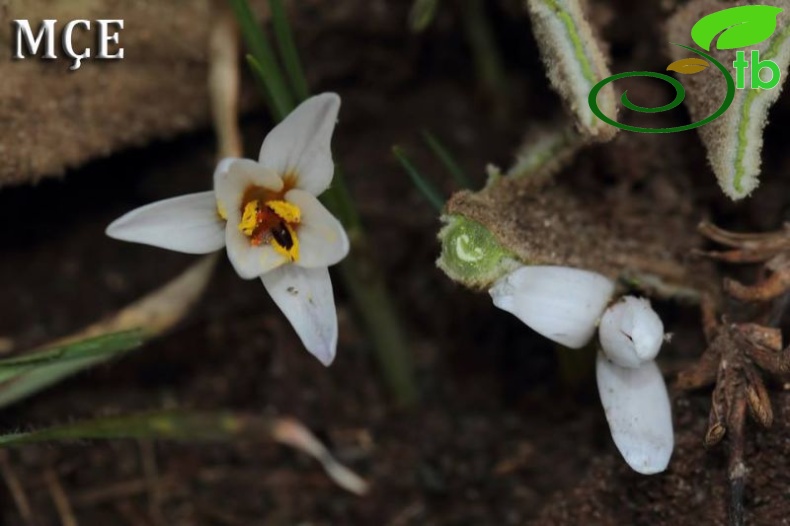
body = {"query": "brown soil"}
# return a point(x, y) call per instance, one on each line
point(498, 437)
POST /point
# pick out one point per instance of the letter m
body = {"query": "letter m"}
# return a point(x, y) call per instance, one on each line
point(24, 35)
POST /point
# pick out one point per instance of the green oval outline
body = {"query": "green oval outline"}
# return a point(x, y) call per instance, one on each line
point(679, 90)
point(718, 113)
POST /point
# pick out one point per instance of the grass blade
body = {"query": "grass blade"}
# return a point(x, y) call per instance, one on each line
point(426, 188)
point(26, 375)
point(103, 347)
point(422, 14)
point(288, 52)
point(128, 328)
point(449, 162)
point(268, 68)
point(195, 426)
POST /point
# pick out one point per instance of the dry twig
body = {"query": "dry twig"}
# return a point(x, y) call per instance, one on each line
point(60, 498)
point(739, 355)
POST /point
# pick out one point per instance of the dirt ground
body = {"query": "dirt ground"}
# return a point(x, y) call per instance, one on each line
point(497, 439)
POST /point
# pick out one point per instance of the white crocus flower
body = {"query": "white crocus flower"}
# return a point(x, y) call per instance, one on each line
point(561, 303)
point(267, 216)
point(637, 408)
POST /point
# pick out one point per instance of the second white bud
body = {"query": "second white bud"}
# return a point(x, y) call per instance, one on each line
point(631, 333)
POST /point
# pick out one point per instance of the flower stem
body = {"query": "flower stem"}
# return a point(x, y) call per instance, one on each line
point(366, 285)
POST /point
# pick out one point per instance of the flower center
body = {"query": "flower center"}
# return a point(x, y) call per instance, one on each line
point(272, 221)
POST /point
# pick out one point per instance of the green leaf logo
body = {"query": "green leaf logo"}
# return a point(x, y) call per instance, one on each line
point(739, 27)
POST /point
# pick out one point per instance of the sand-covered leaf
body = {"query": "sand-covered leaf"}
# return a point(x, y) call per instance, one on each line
point(733, 141)
point(641, 239)
point(740, 27)
point(575, 62)
point(688, 66)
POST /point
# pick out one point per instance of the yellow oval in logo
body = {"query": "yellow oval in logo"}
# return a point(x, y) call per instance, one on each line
point(688, 66)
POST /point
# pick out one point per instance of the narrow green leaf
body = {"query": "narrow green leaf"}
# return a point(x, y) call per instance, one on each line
point(67, 355)
point(260, 77)
point(172, 425)
point(195, 426)
point(268, 69)
point(447, 160)
point(490, 68)
point(422, 14)
point(28, 374)
point(288, 52)
point(742, 26)
point(430, 192)
point(104, 345)
point(150, 316)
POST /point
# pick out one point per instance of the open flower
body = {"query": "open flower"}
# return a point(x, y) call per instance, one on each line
point(267, 216)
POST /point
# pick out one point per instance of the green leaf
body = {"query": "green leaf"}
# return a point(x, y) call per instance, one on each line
point(288, 52)
point(422, 14)
point(22, 376)
point(105, 347)
point(159, 311)
point(739, 27)
point(269, 69)
point(194, 426)
point(172, 425)
point(447, 160)
point(429, 191)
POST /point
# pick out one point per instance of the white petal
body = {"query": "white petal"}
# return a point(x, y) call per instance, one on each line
point(300, 145)
point(305, 297)
point(222, 169)
point(561, 303)
point(233, 176)
point(249, 261)
point(637, 408)
point(188, 224)
point(322, 239)
point(631, 332)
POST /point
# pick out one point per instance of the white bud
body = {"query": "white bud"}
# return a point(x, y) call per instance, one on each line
point(637, 408)
point(561, 303)
point(631, 332)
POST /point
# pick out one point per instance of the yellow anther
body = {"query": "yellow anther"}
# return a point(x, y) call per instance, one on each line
point(288, 212)
point(249, 219)
point(292, 252)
